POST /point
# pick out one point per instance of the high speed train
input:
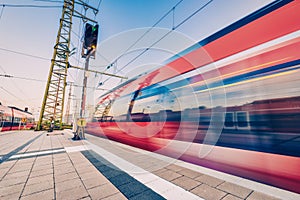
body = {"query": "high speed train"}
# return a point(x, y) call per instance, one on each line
point(12, 118)
point(231, 102)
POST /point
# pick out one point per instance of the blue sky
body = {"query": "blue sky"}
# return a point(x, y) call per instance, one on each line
point(33, 31)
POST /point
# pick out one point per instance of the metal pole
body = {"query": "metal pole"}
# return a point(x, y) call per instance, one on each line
point(80, 129)
point(83, 97)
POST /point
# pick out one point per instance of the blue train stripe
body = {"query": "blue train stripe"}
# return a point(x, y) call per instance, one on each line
point(158, 89)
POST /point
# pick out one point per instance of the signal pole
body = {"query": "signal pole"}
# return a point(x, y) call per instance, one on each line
point(53, 101)
point(79, 134)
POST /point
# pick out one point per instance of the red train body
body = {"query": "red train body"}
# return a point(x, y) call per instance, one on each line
point(236, 110)
point(12, 118)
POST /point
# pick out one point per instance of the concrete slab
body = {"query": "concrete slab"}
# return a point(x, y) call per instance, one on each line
point(208, 192)
point(186, 183)
point(209, 180)
point(234, 189)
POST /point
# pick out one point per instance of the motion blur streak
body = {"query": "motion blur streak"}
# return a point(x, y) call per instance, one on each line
point(255, 65)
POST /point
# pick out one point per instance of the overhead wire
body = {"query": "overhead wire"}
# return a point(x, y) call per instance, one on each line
point(50, 1)
point(143, 35)
point(165, 35)
point(2, 11)
point(19, 77)
point(24, 54)
point(10, 93)
point(16, 86)
point(27, 6)
point(174, 28)
point(100, 1)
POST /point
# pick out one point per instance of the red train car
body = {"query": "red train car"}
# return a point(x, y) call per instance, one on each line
point(12, 118)
point(231, 102)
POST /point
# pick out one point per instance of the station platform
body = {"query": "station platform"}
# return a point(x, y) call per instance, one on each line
point(42, 165)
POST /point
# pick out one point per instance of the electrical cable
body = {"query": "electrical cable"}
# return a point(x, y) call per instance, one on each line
point(50, 1)
point(11, 93)
point(19, 77)
point(2, 11)
point(156, 23)
point(174, 28)
point(142, 36)
point(28, 6)
point(24, 54)
point(2, 69)
point(100, 1)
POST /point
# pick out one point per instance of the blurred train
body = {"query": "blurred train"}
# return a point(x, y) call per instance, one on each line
point(12, 118)
point(231, 102)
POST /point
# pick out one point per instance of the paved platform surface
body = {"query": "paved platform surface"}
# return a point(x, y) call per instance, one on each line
point(41, 165)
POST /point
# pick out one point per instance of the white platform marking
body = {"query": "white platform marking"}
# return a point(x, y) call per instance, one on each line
point(36, 153)
point(160, 186)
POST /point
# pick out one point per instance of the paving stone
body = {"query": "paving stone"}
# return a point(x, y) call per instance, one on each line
point(209, 180)
point(160, 171)
point(39, 179)
point(231, 197)
point(43, 160)
point(67, 185)
point(117, 196)
point(10, 196)
point(89, 175)
point(6, 181)
point(186, 183)
point(25, 161)
point(7, 164)
point(190, 173)
point(41, 172)
point(94, 182)
point(42, 167)
point(45, 195)
point(66, 177)
point(82, 162)
point(20, 168)
point(174, 167)
point(260, 196)
point(234, 189)
point(18, 174)
point(169, 175)
point(62, 164)
point(86, 198)
point(102, 191)
point(208, 193)
point(41, 163)
point(86, 169)
point(30, 189)
point(74, 193)
point(3, 172)
point(4, 191)
point(84, 166)
point(61, 171)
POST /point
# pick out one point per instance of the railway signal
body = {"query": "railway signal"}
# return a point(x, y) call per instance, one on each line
point(90, 40)
point(53, 101)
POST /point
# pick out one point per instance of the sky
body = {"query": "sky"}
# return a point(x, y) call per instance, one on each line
point(27, 38)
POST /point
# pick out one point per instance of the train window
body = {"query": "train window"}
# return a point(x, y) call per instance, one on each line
point(242, 119)
point(8, 119)
point(229, 119)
